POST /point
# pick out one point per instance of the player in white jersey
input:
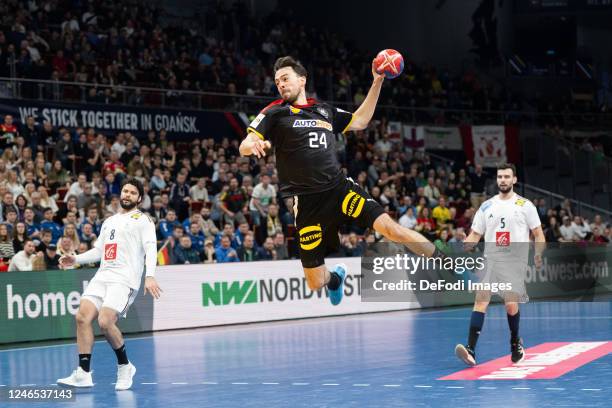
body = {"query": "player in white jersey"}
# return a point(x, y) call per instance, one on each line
point(125, 248)
point(505, 221)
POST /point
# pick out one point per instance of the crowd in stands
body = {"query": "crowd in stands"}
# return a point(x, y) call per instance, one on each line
point(227, 50)
point(112, 44)
point(224, 48)
point(57, 185)
point(211, 205)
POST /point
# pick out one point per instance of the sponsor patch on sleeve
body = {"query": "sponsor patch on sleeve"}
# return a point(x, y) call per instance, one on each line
point(257, 121)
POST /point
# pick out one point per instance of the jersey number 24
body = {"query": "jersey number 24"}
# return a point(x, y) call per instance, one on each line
point(315, 140)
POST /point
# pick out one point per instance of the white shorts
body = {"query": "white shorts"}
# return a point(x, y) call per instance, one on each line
point(115, 296)
point(508, 274)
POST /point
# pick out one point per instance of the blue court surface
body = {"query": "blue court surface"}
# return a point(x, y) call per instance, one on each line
point(384, 360)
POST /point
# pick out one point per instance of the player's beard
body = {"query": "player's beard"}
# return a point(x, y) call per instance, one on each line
point(291, 97)
point(127, 206)
point(504, 190)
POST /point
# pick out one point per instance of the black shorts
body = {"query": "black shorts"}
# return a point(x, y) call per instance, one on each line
point(319, 216)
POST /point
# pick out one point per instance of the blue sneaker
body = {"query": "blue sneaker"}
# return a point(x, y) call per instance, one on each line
point(335, 296)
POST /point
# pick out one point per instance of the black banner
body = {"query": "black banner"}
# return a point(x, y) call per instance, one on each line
point(180, 124)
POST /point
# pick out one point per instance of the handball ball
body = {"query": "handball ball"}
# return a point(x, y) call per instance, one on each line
point(389, 62)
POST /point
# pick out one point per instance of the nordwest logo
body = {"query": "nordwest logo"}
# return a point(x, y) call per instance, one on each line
point(223, 293)
point(268, 291)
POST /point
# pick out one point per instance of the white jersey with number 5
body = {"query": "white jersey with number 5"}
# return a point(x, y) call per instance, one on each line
point(123, 240)
point(506, 222)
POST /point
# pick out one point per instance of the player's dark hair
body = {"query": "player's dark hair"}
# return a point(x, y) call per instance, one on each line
point(506, 166)
point(136, 183)
point(288, 61)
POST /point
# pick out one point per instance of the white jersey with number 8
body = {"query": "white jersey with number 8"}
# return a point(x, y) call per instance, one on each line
point(123, 239)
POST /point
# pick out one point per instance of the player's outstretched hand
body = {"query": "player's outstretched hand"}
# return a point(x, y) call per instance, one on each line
point(259, 148)
point(67, 261)
point(152, 287)
point(375, 74)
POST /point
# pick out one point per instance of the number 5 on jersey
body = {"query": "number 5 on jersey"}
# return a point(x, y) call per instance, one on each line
point(315, 141)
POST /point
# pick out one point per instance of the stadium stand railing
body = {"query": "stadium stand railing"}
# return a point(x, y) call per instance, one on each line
point(587, 211)
point(35, 89)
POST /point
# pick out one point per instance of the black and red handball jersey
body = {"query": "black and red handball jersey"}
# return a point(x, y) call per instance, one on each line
point(304, 142)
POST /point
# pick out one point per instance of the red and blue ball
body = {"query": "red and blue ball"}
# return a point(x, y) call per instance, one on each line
point(389, 62)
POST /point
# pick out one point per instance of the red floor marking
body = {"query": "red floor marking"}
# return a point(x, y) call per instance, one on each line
point(544, 361)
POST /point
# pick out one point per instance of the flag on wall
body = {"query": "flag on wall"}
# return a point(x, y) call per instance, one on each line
point(394, 130)
point(491, 145)
point(163, 255)
point(413, 137)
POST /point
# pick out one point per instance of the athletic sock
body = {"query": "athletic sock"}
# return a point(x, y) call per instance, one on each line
point(85, 361)
point(476, 323)
point(334, 281)
point(513, 323)
point(121, 355)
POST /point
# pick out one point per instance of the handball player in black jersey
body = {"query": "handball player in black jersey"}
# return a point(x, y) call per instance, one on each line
point(302, 133)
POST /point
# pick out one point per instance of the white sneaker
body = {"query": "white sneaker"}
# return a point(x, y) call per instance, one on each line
point(78, 378)
point(465, 354)
point(125, 373)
